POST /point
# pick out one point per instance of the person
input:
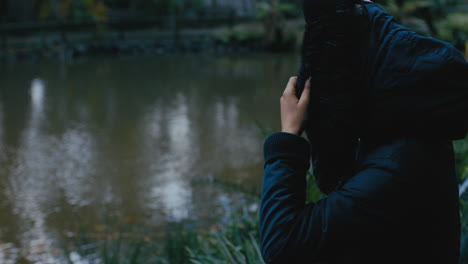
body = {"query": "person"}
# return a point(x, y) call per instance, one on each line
point(399, 203)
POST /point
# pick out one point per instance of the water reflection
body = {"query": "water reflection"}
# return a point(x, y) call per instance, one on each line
point(129, 138)
point(175, 157)
point(46, 166)
point(237, 142)
point(37, 95)
point(75, 169)
point(181, 143)
point(29, 184)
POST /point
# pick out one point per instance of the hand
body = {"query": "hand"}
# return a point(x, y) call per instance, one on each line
point(292, 108)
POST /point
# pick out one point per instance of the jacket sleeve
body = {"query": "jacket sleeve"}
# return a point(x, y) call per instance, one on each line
point(289, 227)
point(286, 222)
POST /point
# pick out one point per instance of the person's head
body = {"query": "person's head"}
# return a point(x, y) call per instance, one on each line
point(332, 58)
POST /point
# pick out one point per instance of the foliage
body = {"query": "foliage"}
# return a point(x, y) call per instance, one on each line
point(313, 193)
point(235, 242)
point(132, 241)
point(77, 11)
point(164, 7)
point(435, 18)
point(255, 38)
point(461, 158)
point(238, 35)
point(88, 10)
point(454, 28)
point(115, 241)
point(179, 237)
point(287, 10)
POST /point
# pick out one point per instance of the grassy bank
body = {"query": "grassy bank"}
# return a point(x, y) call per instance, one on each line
point(232, 240)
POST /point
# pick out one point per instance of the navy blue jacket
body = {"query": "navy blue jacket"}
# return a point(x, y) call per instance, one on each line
point(400, 207)
point(399, 203)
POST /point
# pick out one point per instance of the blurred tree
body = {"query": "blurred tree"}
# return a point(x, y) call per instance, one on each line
point(98, 10)
point(273, 23)
point(436, 18)
point(19, 10)
point(64, 8)
point(454, 28)
point(52, 9)
point(163, 7)
point(274, 16)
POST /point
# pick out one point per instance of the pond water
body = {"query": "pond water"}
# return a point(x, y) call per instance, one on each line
point(133, 137)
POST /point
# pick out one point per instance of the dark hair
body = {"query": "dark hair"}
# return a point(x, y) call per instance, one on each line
point(332, 58)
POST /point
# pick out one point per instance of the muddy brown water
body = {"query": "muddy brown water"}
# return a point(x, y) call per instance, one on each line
point(134, 137)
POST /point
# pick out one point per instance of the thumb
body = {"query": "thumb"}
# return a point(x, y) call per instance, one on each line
point(304, 100)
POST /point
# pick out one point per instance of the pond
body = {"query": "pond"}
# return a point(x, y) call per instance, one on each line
point(153, 138)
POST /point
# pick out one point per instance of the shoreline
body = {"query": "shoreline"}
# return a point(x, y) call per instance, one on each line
point(248, 37)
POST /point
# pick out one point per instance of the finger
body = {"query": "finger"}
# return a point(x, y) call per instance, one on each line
point(291, 87)
point(304, 100)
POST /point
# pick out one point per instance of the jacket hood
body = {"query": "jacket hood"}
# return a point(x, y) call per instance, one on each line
point(415, 85)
